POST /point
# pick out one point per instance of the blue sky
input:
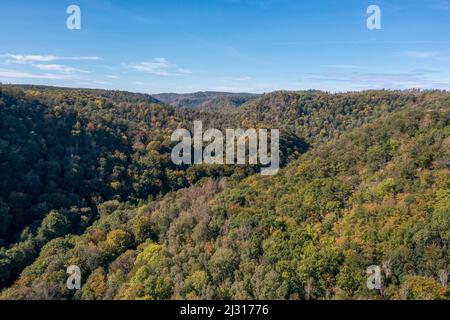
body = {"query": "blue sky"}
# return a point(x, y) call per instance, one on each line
point(157, 46)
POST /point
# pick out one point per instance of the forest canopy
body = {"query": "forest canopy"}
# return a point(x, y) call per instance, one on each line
point(87, 180)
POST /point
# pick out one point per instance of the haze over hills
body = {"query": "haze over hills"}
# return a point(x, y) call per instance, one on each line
point(87, 179)
point(202, 100)
point(206, 99)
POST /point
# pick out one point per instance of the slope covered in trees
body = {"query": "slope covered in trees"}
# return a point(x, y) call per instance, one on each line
point(70, 150)
point(206, 100)
point(318, 117)
point(374, 193)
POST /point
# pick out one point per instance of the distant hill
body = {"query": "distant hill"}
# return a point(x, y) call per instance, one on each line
point(113, 95)
point(206, 100)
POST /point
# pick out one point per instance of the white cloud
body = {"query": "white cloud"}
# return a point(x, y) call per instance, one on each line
point(19, 58)
point(58, 68)
point(101, 82)
point(185, 71)
point(358, 81)
point(112, 76)
point(26, 75)
point(43, 64)
point(161, 67)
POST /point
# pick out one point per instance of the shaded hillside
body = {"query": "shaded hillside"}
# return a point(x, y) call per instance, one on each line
point(110, 95)
point(206, 100)
point(378, 195)
point(318, 116)
point(65, 151)
point(72, 159)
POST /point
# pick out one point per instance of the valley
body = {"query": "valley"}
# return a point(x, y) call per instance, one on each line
point(87, 180)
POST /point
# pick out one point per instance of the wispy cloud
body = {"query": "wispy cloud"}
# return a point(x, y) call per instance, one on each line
point(19, 58)
point(161, 67)
point(434, 55)
point(40, 67)
point(101, 82)
point(342, 66)
point(14, 74)
point(419, 54)
point(360, 81)
point(362, 42)
point(184, 71)
point(243, 78)
point(236, 79)
point(58, 68)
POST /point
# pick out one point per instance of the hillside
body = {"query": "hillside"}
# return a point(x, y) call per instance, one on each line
point(87, 180)
point(72, 149)
point(318, 116)
point(111, 95)
point(206, 100)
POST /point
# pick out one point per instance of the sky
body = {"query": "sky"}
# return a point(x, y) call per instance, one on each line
point(155, 46)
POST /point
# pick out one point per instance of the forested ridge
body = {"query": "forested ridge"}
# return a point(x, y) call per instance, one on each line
point(208, 100)
point(87, 180)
